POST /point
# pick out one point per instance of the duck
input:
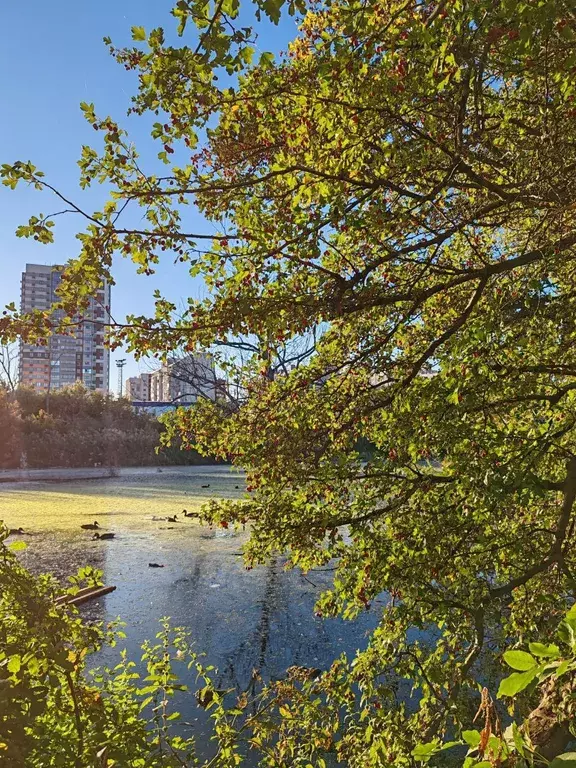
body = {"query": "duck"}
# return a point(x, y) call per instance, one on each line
point(103, 535)
point(189, 514)
point(155, 565)
point(205, 486)
point(171, 519)
point(91, 526)
point(16, 531)
point(314, 673)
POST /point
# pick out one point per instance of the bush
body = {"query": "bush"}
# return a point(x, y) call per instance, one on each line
point(78, 428)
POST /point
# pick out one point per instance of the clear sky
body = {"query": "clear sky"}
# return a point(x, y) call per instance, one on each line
point(52, 57)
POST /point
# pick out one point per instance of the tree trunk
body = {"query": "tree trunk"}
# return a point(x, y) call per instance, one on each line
point(547, 725)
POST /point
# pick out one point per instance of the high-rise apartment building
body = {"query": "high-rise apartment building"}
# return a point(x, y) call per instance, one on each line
point(65, 359)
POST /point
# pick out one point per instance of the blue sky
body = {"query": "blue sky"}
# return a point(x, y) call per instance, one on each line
point(52, 57)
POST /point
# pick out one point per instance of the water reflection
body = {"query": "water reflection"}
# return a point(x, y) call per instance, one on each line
point(243, 620)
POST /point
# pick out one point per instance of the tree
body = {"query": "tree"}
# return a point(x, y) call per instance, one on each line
point(402, 184)
point(10, 430)
point(9, 366)
point(83, 429)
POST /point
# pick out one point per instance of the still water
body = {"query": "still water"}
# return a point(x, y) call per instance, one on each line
point(242, 620)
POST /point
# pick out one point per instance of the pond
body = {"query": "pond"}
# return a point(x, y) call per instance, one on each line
point(243, 620)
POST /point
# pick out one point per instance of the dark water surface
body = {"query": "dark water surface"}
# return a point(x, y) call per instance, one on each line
point(243, 620)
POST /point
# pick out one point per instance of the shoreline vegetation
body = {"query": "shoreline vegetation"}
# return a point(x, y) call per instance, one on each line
point(77, 428)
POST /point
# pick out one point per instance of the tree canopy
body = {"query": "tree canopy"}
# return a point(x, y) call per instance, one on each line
point(401, 185)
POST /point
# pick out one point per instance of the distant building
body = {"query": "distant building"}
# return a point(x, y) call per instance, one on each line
point(138, 387)
point(221, 389)
point(179, 381)
point(184, 380)
point(65, 359)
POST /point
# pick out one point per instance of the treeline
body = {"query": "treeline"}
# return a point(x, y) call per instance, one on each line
point(74, 427)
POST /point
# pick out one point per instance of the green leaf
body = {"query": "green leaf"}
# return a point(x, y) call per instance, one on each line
point(516, 682)
point(518, 739)
point(566, 632)
point(454, 397)
point(138, 33)
point(472, 738)
point(519, 660)
point(14, 664)
point(567, 760)
point(17, 546)
point(425, 751)
point(563, 668)
point(146, 701)
point(266, 58)
point(547, 651)
point(450, 744)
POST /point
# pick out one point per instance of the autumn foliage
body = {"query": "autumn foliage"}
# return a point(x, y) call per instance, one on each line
point(401, 185)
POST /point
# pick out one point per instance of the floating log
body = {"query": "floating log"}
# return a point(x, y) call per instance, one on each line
point(67, 598)
point(88, 593)
point(99, 592)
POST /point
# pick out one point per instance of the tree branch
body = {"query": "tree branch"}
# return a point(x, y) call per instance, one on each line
point(555, 553)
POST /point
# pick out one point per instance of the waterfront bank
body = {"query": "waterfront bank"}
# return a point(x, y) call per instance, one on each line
point(65, 474)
